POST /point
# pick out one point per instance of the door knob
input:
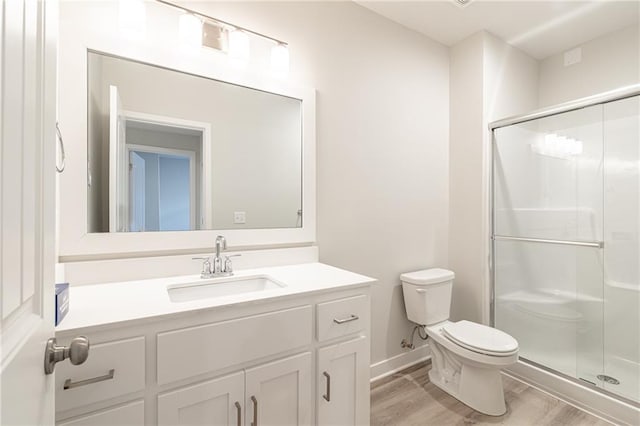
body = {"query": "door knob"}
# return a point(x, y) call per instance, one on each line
point(77, 352)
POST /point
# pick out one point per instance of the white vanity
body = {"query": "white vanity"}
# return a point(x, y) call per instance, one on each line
point(296, 353)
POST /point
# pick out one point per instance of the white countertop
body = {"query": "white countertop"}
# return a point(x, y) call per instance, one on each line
point(109, 303)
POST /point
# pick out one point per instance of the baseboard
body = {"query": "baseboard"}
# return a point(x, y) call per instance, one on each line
point(589, 400)
point(399, 362)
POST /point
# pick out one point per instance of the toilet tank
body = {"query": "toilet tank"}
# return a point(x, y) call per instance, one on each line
point(427, 295)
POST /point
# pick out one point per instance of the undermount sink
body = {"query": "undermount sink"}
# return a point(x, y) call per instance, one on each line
point(218, 287)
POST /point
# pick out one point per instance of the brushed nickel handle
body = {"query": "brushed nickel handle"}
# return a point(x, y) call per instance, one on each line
point(327, 395)
point(349, 319)
point(61, 167)
point(68, 384)
point(77, 352)
point(255, 411)
point(239, 410)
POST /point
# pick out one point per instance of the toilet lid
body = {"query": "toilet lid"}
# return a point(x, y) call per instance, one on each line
point(480, 338)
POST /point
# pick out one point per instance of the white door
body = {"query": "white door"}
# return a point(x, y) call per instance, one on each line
point(118, 208)
point(27, 210)
point(213, 403)
point(137, 192)
point(343, 383)
point(279, 393)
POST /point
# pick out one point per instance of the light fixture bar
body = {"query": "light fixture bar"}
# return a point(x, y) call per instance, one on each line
point(221, 22)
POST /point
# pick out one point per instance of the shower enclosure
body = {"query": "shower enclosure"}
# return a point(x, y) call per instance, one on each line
point(565, 254)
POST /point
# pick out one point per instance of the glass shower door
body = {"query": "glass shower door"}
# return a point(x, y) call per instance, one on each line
point(548, 215)
point(621, 370)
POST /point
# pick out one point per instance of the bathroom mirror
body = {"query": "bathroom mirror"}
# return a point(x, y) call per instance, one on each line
point(172, 151)
point(258, 136)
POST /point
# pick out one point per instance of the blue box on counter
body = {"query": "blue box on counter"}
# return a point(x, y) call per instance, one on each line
point(62, 301)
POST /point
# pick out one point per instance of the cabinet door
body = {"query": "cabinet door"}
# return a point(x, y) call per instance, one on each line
point(214, 402)
point(279, 393)
point(343, 383)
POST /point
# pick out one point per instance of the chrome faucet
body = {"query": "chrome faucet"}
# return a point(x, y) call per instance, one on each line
point(218, 266)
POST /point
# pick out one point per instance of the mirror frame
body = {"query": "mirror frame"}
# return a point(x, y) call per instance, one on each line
point(75, 242)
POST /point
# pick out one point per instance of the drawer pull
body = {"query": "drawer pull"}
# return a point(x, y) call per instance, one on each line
point(327, 396)
point(255, 411)
point(239, 408)
point(343, 320)
point(68, 384)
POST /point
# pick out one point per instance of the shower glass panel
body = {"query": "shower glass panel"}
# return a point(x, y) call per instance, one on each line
point(622, 250)
point(566, 216)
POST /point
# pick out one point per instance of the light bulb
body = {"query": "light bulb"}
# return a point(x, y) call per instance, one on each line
point(280, 60)
point(132, 18)
point(239, 46)
point(190, 30)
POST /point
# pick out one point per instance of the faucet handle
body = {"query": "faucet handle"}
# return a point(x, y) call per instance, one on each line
point(206, 266)
point(228, 266)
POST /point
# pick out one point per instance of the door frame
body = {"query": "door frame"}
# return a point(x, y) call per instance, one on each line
point(206, 172)
point(191, 155)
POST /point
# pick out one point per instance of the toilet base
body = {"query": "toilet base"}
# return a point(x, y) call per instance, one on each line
point(478, 387)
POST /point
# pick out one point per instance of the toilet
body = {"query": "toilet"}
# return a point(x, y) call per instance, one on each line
point(466, 357)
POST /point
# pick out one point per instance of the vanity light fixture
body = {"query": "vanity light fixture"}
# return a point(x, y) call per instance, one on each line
point(217, 34)
point(239, 48)
point(280, 60)
point(190, 30)
point(132, 18)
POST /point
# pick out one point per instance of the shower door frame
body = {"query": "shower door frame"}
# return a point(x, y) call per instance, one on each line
point(599, 99)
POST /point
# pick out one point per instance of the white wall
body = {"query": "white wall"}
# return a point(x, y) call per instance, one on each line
point(489, 80)
point(382, 133)
point(608, 62)
point(466, 153)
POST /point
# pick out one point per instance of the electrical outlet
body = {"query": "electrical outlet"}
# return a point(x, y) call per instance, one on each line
point(239, 217)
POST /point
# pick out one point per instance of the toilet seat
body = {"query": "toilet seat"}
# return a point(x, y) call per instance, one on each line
point(480, 338)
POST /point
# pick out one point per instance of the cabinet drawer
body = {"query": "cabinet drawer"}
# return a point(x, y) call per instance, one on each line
point(198, 350)
point(112, 369)
point(342, 317)
point(131, 414)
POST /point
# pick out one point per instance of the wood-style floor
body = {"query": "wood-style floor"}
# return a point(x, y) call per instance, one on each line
point(408, 398)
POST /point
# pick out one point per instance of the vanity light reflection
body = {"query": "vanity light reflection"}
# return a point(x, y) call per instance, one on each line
point(190, 30)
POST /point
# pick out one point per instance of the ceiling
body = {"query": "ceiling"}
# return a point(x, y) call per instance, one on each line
point(539, 28)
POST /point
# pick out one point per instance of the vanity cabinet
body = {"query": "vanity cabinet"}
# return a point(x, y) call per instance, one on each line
point(277, 393)
point(299, 360)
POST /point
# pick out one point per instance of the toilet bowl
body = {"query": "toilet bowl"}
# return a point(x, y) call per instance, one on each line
point(466, 357)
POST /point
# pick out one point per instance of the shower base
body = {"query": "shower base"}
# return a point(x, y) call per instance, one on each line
point(592, 399)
